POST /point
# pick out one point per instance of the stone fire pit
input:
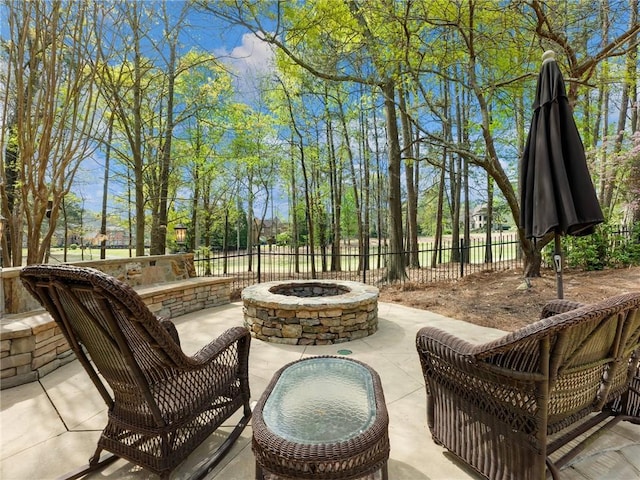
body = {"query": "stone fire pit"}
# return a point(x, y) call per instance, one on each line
point(310, 312)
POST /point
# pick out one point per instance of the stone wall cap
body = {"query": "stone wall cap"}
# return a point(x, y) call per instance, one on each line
point(11, 325)
point(147, 290)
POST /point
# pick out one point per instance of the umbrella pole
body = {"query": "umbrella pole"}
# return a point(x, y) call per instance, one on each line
point(557, 259)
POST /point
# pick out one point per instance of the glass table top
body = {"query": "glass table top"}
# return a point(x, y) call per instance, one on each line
point(321, 400)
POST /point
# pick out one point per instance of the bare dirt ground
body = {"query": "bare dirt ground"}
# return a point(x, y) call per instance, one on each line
point(498, 299)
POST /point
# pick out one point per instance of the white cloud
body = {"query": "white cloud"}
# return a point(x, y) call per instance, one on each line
point(253, 54)
point(249, 61)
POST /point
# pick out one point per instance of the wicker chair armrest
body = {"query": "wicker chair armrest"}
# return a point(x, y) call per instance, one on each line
point(171, 329)
point(465, 357)
point(555, 307)
point(455, 376)
point(223, 342)
point(440, 341)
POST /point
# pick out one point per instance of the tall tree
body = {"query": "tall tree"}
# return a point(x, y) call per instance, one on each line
point(204, 92)
point(172, 29)
point(49, 117)
point(348, 147)
point(122, 88)
point(491, 74)
point(409, 156)
point(348, 29)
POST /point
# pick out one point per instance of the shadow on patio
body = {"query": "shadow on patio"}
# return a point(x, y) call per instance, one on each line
point(50, 427)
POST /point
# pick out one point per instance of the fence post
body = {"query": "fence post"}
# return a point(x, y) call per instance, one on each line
point(259, 265)
point(363, 262)
point(462, 257)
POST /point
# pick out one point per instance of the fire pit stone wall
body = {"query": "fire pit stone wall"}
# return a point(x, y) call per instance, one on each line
point(310, 312)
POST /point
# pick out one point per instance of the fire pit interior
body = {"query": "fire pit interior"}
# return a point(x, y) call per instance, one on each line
point(310, 312)
point(314, 289)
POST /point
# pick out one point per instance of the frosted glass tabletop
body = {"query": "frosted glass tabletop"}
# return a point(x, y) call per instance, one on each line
point(321, 400)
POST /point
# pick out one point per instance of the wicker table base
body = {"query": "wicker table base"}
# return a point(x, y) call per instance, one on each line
point(322, 418)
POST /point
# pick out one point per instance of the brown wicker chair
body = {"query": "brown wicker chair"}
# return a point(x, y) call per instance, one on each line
point(504, 407)
point(161, 403)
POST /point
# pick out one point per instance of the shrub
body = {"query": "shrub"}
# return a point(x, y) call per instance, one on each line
point(283, 238)
point(608, 246)
point(625, 249)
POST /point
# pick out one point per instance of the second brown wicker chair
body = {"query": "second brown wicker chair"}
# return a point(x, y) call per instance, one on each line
point(505, 406)
point(161, 403)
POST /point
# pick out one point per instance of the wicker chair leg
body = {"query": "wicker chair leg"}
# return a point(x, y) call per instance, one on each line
point(259, 474)
point(633, 399)
point(555, 472)
point(94, 464)
point(223, 449)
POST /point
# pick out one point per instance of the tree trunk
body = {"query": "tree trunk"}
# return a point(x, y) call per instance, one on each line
point(294, 210)
point(159, 235)
point(629, 107)
point(396, 267)
point(138, 162)
point(437, 241)
point(488, 252)
point(65, 229)
point(225, 240)
point(455, 172)
point(306, 185)
point(380, 226)
point(412, 197)
point(354, 179)
point(105, 193)
point(335, 183)
point(366, 188)
point(532, 259)
point(465, 178)
point(195, 207)
point(250, 221)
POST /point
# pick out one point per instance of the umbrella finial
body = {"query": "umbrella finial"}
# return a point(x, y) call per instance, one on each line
point(548, 56)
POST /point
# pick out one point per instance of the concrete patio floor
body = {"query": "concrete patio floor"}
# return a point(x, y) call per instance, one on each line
point(50, 427)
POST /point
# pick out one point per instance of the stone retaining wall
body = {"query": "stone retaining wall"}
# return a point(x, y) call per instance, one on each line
point(323, 320)
point(136, 271)
point(32, 345)
point(177, 298)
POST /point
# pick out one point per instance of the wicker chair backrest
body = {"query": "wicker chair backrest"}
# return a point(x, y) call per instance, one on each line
point(585, 354)
point(107, 319)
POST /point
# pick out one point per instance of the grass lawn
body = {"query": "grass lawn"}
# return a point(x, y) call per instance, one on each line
point(56, 255)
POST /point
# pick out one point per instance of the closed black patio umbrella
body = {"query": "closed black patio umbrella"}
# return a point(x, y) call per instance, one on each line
point(556, 191)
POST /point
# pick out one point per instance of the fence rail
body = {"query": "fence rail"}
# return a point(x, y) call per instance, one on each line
point(269, 263)
point(428, 264)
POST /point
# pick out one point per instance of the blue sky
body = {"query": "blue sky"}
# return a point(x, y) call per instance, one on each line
point(245, 55)
point(242, 51)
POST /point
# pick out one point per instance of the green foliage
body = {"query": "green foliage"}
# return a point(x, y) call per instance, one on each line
point(283, 239)
point(349, 214)
point(237, 232)
point(588, 252)
point(609, 246)
point(625, 250)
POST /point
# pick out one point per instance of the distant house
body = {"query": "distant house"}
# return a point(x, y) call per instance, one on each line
point(479, 217)
point(270, 229)
point(116, 238)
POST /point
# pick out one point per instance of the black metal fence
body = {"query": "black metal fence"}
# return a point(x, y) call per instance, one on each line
point(429, 264)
